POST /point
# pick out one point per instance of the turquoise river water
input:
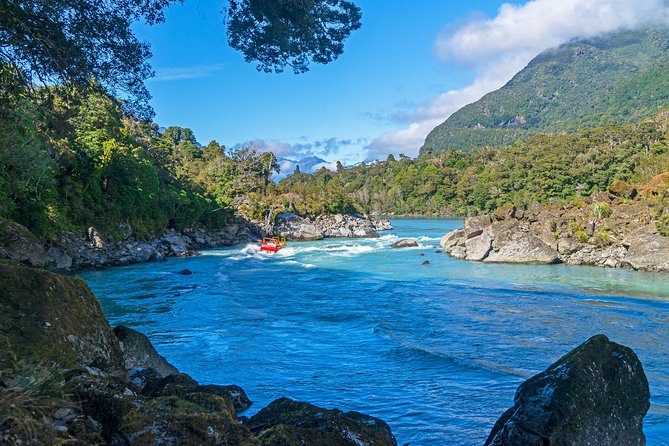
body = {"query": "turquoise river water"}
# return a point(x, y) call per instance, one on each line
point(436, 350)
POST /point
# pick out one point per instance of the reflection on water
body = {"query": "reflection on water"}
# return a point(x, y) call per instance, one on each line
point(436, 350)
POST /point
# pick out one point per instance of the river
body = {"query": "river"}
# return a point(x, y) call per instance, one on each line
point(435, 350)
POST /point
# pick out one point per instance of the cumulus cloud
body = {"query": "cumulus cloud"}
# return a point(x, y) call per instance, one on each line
point(501, 46)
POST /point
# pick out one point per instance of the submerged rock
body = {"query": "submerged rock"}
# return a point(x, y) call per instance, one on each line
point(405, 243)
point(288, 422)
point(596, 395)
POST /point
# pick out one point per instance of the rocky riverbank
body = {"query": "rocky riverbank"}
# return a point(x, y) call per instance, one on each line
point(620, 228)
point(67, 378)
point(93, 249)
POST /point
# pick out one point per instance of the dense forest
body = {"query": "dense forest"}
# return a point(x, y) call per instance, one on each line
point(545, 168)
point(615, 79)
point(70, 159)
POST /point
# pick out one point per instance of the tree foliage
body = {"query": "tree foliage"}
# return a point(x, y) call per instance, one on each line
point(61, 41)
point(545, 168)
point(57, 42)
point(290, 33)
point(75, 160)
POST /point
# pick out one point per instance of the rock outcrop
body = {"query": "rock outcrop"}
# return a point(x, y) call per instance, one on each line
point(64, 380)
point(596, 395)
point(294, 227)
point(611, 230)
point(288, 422)
point(297, 228)
point(139, 353)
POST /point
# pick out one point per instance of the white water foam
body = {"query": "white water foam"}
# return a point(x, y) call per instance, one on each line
point(333, 250)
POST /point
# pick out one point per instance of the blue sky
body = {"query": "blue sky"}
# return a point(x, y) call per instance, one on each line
point(407, 69)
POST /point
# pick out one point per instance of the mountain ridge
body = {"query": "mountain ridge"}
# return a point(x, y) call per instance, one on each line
point(617, 78)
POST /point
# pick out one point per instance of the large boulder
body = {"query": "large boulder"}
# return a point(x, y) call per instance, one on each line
point(179, 245)
point(647, 249)
point(54, 321)
point(142, 252)
point(381, 224)
point(479, 247)
point(294, 227)
point(139, 353)
point(524, 248)
point(453, 239)
point(596, 395)
point(193, 419)
point(288, 422)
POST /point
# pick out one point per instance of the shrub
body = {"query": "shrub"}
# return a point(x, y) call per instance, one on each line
point(601, 210)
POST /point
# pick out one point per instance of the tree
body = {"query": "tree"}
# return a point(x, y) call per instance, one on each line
point(73, 41)
point(276, 33)
point(63, 41)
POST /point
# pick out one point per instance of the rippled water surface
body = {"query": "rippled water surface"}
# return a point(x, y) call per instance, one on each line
point(435, 350)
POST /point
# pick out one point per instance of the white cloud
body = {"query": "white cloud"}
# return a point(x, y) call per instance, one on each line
point(501, 46)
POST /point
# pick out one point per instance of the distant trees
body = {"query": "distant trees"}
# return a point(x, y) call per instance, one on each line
point(545, 168)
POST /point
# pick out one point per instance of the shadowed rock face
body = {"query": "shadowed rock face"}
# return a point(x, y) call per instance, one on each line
point(596, 395)
point(138, 352)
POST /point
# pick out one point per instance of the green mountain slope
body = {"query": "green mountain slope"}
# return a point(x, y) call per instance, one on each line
point(618, 78)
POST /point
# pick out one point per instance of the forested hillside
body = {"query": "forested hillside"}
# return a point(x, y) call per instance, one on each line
point(545, 168)
point(70, 159)
point(617, 79)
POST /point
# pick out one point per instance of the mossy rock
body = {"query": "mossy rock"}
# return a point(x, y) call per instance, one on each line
point(623, 189)
point(506, 211)
point(53, 321)
point(597, 395)
point(286, 423)
point(182, 385)
point(173, 420)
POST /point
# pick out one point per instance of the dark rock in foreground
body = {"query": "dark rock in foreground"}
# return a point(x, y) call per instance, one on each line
point(596, 395)
point(53, 321)
point(288, 422)
point(63, 380)
point(138, 352)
